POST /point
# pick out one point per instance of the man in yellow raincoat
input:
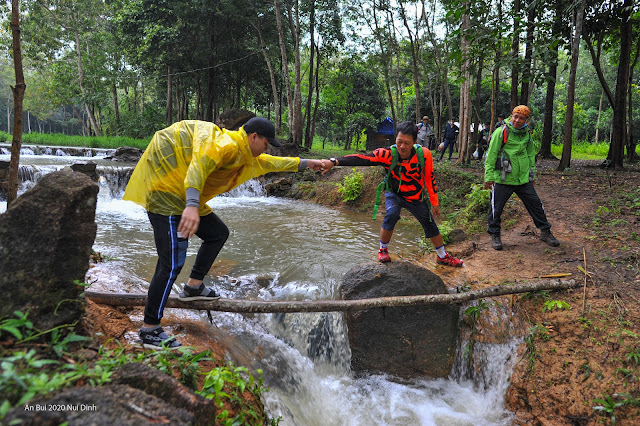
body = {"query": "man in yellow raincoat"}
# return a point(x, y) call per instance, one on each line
point(185, 166)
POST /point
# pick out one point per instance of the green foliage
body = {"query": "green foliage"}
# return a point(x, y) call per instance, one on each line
point(538, 331)
point(608, 405)
point(551, 305)
point(351, 186)
point(229, 383)
point(31, 372)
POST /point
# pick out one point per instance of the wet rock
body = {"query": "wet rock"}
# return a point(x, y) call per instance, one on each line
point(406, 342)
point(88, 168)
point(46, 237)
point(160, 385)
point(233, 119)
point(102, 406)
point(126, 154)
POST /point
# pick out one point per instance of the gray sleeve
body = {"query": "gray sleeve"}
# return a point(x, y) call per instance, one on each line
point(302, 165)
point(193, 197)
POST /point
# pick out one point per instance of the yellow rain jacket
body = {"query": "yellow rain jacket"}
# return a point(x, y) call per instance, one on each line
point(196, 154)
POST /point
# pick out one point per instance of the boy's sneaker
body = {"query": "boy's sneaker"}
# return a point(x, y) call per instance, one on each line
point(157, 339)
point(548, 238)
point(449, 260)
point(200, 293)
point(383, 256)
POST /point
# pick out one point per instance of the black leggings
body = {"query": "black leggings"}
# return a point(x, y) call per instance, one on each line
point(501, 193)
point(172, 252)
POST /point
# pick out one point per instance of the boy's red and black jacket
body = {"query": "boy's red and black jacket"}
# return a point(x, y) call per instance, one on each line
point(406, 178)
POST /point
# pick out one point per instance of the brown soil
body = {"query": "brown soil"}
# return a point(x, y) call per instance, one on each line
point(586, 354)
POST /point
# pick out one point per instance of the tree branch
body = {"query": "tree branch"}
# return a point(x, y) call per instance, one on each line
point(260, 306)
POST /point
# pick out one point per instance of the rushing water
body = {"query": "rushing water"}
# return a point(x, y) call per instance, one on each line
point(282, 250)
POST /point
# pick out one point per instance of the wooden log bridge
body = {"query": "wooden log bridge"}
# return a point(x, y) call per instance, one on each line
point(262, 306)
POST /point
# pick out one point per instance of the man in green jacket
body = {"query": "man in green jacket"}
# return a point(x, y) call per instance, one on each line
point(510, 167)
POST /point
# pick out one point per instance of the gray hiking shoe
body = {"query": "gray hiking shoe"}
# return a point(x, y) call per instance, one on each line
point(496, 242)
point(157, 339)
point(200, 293)
point(547, 237)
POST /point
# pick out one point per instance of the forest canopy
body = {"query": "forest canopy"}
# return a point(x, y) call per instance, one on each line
point(329, 69)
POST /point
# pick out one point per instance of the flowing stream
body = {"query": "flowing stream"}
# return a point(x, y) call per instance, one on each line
point(282, 249)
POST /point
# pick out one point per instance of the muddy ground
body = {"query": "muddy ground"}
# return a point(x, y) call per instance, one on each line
point(579, 345)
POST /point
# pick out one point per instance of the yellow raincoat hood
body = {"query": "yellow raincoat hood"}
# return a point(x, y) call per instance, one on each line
point(200, 155)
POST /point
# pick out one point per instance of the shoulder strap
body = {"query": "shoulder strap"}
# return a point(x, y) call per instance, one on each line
point(384, 183)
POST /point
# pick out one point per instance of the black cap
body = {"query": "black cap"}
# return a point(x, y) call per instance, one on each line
point(263, 127)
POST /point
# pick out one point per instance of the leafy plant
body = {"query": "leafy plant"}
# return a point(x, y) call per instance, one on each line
point(229, 383)
point(531, 352)
point(351, 186)
point(608, 405)
point(551, 305)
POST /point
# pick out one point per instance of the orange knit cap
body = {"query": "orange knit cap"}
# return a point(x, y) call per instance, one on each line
point(522, 109)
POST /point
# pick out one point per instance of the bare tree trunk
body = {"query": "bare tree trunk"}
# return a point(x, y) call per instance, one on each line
point(308, 138)
point(565, 161)
point(599, 115)
point(317, 101)
point(526, 72)
point(116, 108)
point(388, 66)
point(465, 89)
point(92, 119)
point(263, 306)
point(616, 150)
point(285, 63)
point(632, 156)
point(297, 125)
point(18, 96)
point(272, 75)
point(515, 54)
point(169, 112)
point(547, 130)
point(414, 60)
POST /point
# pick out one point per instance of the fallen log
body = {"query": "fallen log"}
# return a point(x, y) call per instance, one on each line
point(263, 306)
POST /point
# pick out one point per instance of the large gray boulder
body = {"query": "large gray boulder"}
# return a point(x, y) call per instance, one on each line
point(406, 342)
point(46, 237)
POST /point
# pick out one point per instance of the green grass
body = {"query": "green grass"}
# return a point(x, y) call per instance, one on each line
point(580, 151)
point(58, 139)
point(586, 151)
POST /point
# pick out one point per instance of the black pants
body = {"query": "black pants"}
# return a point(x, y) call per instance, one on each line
point(172, 252)
point(527, 193)
point(448, 143)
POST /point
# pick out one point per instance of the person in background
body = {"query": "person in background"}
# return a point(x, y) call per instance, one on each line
point(483, 141)
point(184, 167)
point(500, 121)
point(449, 136)
point(510, 167)
point(425, 134)
point(410, 185)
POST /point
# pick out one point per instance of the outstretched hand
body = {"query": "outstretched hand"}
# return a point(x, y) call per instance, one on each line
point(488, 185)
point(326, 166)
point(316, 165)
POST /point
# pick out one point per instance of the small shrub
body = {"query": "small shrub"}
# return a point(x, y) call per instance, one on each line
point(351, 186)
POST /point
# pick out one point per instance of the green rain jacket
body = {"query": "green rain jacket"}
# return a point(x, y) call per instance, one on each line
point(519, 150)
point(201, 155)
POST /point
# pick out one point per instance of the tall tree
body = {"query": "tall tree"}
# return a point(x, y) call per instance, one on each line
point(565, 161)
point(18, 94)
point(550, 77)
point(515, 53)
